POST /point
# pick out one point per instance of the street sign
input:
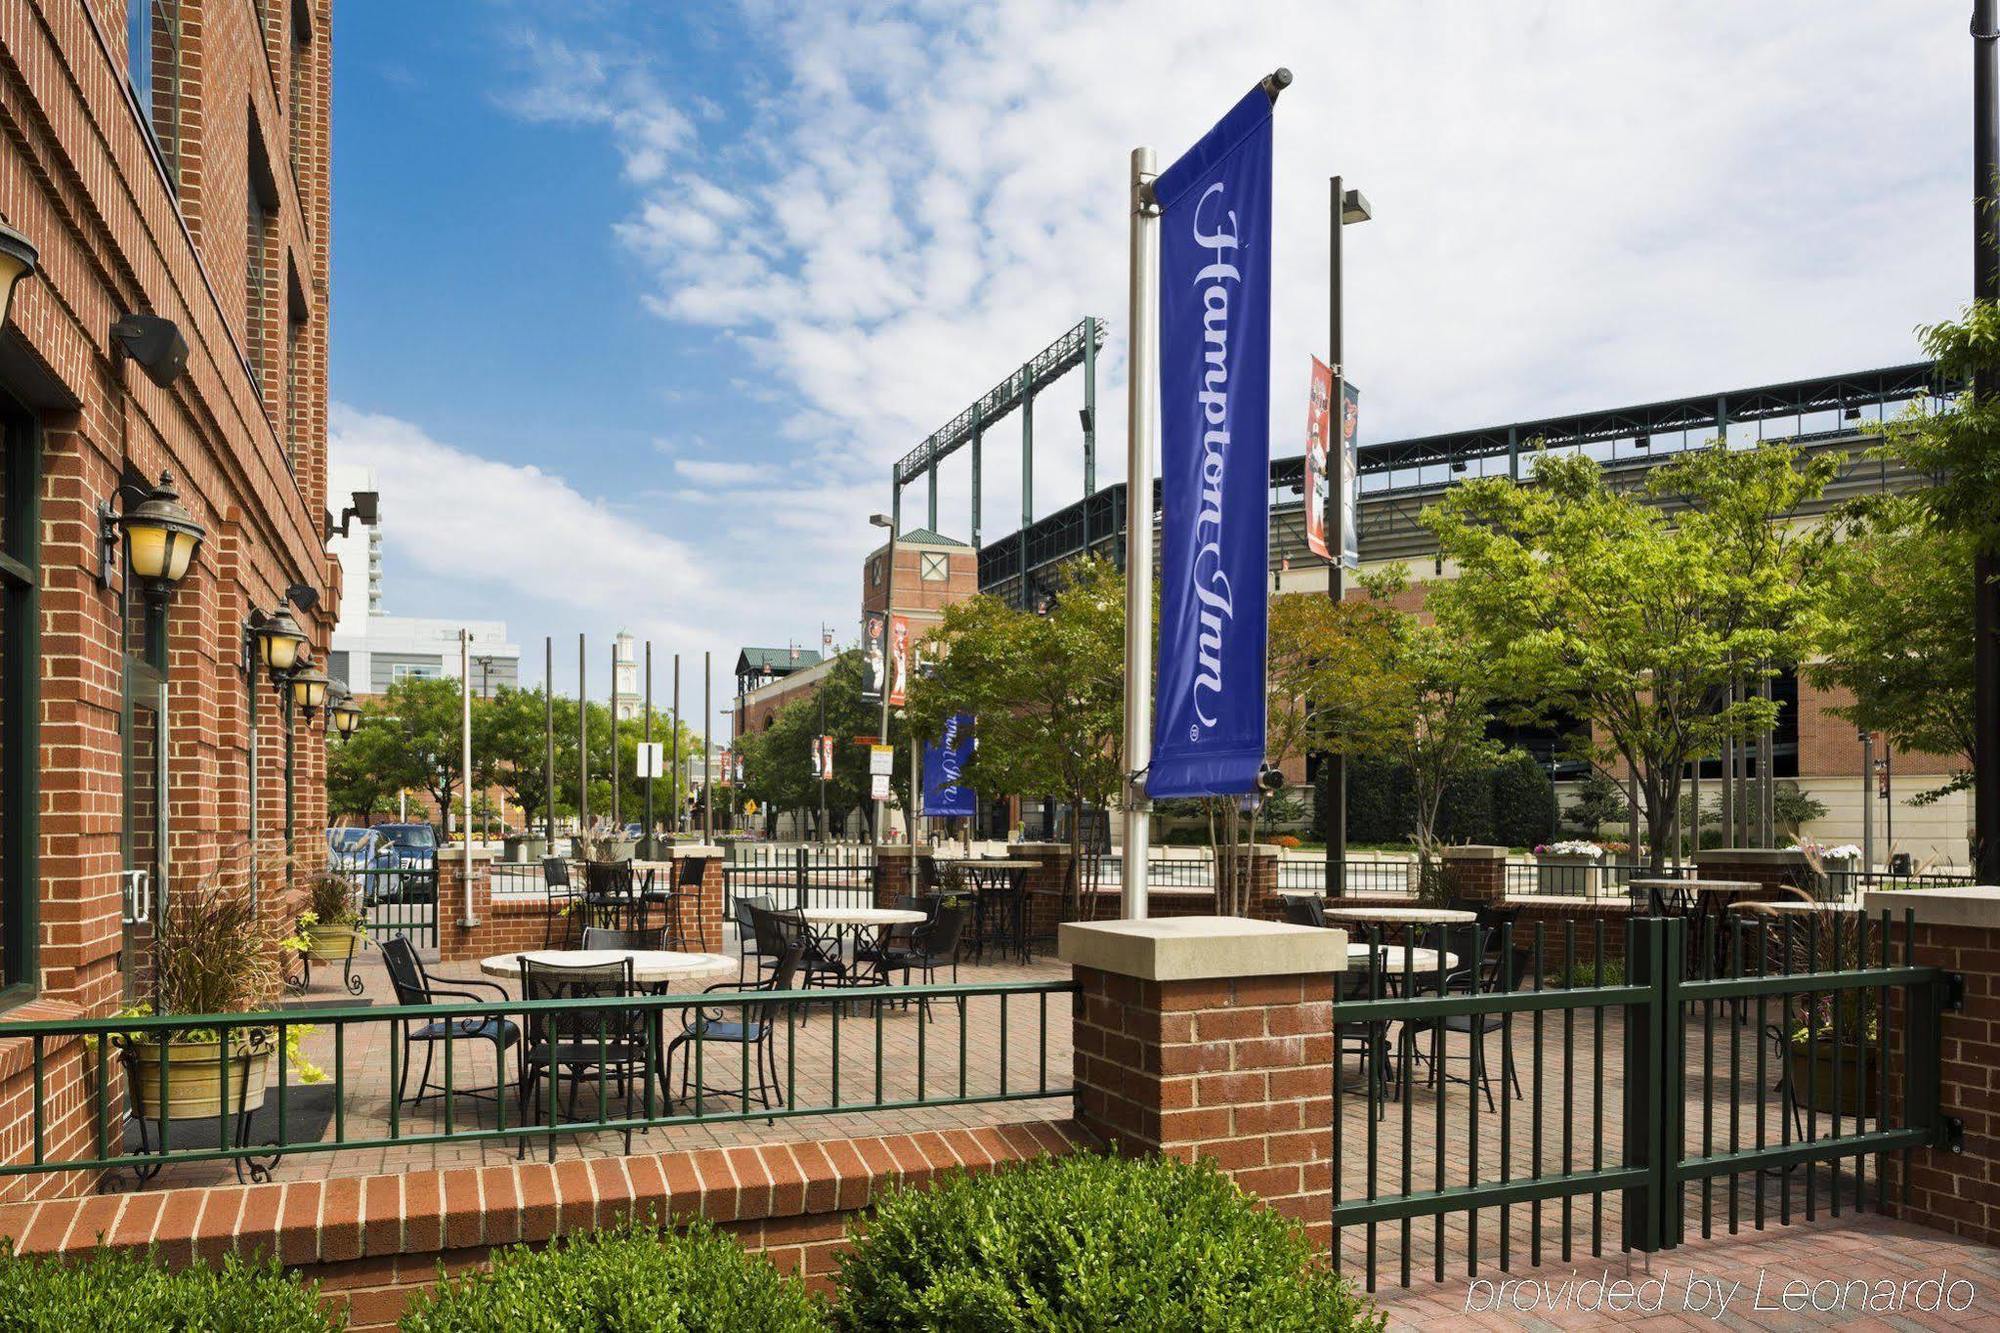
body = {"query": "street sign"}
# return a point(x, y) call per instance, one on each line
point(881, 761)
point(651, 760)
point(878, 787)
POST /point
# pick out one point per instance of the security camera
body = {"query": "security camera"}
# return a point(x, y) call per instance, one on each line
point(1270, 781)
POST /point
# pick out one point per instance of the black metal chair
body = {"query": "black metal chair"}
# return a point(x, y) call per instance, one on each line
point(735, 1026)
point(415, 986)
point(898, 939)
point(604, 937)
point(776, 928)
point(562, 899)
point(1304, 910)
point(682, 903)
point(748, 946)
point(932, 946)
point(1481, 970)
point(1367, 1040)
point(616, 896)
point(610, 1042)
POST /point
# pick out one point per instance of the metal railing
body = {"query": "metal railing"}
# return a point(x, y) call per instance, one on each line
point(910, 1047)
point(1584, 879)
point(517, 879)
point(809, 876)
point(399, 898)
point(1739, 1071)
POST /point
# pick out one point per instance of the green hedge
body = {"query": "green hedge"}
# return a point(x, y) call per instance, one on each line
point(1088, 1242)
point(111, 1291)
point(631, 1277)
point(1512, 804)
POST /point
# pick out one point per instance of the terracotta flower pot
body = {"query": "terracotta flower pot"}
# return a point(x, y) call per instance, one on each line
point(192, 1085)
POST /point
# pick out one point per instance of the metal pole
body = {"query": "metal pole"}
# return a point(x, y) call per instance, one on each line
point(888, 672)
point(931, 511)
point(707, 750)
point(549, 753)
point(976, 433)
point(1336, 517)
point(1867, 802)
point(1889, 796)
point(679, 777)
point(1140, 404)
point(1767, 783)
point(1027, 476)
point(915, 768)
point(826, 775)
point(611, 765)
point(1986, 563)
point(465, 756)
point(651, 852)
point(582, 739)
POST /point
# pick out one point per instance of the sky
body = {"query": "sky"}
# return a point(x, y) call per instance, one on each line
point(635, 304)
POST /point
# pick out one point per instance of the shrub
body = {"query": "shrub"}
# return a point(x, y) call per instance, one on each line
point(635, 1276)
point(1465, 813)
point(1087, 1242)
point(117, 1291)
point(1524, 802)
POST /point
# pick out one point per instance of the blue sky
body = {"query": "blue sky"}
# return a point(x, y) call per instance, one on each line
point(634, 304)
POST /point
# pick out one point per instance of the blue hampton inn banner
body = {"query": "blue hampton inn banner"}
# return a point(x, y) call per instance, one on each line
point(944, 762)
point(1215, 458)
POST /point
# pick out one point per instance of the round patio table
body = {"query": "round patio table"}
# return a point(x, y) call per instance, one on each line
point(1420, 960)
point(847, 924)
point(1794, 905)
point(650, 967)
point(1001, 876)
point(1403, 916)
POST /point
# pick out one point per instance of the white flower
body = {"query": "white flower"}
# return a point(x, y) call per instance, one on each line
point(1572, 847)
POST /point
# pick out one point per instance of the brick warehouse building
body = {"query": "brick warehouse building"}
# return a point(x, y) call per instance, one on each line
point(167, 158)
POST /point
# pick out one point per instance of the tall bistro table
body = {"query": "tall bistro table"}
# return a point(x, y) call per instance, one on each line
point(656, 969)
point(997, 875)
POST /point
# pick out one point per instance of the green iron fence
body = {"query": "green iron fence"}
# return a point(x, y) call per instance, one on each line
point(836, 875)
point(834, 1051)
point(399, 900)
point(1745, 1077)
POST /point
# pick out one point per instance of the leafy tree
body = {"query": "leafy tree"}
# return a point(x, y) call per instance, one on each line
point(421, 719)
point(1048, 692)
point(511, 739)
point(1584, 599)
point(365, 771)
point(1524, 802)
point(1895, 635)
point(777, 764)
point(1599, 801)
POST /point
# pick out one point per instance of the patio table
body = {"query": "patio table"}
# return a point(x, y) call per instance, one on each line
point(1420, 960)
point(1794, 905)
point(650, 967)
point(846, 925)
point(999, 875)
point(1403, 916)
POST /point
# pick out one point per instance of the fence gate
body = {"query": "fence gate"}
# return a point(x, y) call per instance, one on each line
point(835, 875)
point(1736, 1070)
point(398, 900)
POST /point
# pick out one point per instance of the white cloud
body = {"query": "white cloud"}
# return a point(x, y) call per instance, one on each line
point(1577, 205)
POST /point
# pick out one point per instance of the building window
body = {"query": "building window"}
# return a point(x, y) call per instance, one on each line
point(296, 422)
point(936, 567)
point(152, 66)
point(20, 521)
point(260, 266)
point(415, 671)
point(299, 91)
point(874, 573)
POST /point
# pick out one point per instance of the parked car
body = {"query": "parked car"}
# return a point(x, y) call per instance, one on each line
point(401, 847)
point(350, 848)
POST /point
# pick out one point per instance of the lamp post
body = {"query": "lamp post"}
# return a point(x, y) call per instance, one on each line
point(345, 717)
point(888, 601)
point(18, 259)
point(1986, 562)
point(1345, 208)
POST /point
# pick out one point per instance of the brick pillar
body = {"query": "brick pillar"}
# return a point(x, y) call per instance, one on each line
point(1476, 873)
point(1212, 1037)
point(1263, 899)
point(460, 931)
point(1957, 930)
point(892, 873)
point(710, 919)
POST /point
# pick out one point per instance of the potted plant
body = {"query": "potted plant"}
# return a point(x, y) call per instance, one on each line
point(213, 955)
point(1824, 1026)
point(1567, 869)
point(331, 926)
point(1839, 866)
point(604, 841)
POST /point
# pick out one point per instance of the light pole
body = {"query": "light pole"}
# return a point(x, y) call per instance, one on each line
point(888, 601)
point(1344, 208)
point(825, 764)
point(1985, 563)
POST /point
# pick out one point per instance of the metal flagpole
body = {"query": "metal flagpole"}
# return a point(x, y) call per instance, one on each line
point(651, 853)
point(549, 753)
point(611, 765)
point(678, 776)
point(465, 756)
point(582, 739)
point(1140, 322)
point(707, 756)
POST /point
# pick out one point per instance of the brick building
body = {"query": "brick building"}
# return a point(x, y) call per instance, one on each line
point(168, 160)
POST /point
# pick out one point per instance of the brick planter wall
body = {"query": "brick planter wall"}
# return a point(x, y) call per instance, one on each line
point(1959, 931)
point(372, 1241)
point(1476, 873)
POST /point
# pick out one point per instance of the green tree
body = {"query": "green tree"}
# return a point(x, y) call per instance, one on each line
point(510, 739)
point(1895, 633)
point(777, 764)
point(365, 771)
point(421, 718)
point(1585, 599)
point(1047, 692)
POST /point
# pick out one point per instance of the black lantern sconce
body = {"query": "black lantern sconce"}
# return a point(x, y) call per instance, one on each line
point(160, 536)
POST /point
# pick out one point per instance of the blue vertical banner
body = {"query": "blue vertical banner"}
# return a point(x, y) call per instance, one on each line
point(944, 764)
point(1215, 458)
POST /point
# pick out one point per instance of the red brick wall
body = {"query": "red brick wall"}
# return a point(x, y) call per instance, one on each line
point(1955, 1192)
point(373, 1241)
point(1239, 1071)
point(115, 235)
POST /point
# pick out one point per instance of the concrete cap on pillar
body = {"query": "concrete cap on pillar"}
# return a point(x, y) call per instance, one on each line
point(1976, 905)
point(1201, 948)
